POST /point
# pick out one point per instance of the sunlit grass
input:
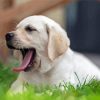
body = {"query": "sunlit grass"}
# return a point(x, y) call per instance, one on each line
point(90, 91)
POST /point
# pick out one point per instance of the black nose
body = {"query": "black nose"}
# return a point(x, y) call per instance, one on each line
point(9, 36)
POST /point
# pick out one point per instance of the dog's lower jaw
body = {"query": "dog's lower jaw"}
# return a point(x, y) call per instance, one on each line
point(35, 66)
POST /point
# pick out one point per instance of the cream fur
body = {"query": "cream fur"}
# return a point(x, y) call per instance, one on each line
point(58, 62)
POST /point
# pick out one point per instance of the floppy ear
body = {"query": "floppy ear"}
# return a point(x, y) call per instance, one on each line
point(58, 42)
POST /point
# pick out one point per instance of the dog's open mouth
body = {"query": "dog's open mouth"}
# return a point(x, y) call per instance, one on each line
point(28, 60)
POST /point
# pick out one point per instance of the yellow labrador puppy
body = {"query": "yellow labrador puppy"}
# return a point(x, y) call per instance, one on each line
point(43, 48)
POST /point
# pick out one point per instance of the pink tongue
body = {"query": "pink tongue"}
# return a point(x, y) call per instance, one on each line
point(25, 62)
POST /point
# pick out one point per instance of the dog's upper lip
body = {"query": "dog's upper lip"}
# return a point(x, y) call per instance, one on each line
point(10, 46)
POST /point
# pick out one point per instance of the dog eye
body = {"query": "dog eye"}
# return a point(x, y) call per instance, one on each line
point(30, 29)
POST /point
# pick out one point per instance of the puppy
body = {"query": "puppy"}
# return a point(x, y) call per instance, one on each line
point(43, 49)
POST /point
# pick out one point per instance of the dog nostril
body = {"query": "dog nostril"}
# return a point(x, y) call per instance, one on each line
point(9, 36)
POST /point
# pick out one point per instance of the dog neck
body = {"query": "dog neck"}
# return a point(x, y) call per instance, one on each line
point(47, 64)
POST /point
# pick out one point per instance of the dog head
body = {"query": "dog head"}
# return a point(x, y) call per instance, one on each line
point(38, 38)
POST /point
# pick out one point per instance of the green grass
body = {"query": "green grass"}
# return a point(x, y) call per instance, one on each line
point(91, 91)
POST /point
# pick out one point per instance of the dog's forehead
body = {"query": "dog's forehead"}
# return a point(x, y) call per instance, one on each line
point(33, 21)
point(37, 21)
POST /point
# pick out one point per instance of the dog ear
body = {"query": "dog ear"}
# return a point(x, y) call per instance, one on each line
point(58, 42)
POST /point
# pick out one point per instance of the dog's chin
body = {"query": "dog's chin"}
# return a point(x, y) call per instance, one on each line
point(29, 58)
